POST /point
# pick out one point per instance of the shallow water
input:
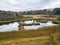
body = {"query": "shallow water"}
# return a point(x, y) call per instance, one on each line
point(14, 26)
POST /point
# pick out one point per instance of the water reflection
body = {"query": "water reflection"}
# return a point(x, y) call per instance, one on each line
point(9, 27)
point(14, 26)
point(29, 22)
point(49, 23)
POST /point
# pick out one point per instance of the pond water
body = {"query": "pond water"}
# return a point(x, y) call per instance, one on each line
point(14, 26)
point(29, 22)
point(9, 27)
point(49, 23)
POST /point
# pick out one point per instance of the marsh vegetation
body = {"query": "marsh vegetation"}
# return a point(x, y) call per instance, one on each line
point(48, 35)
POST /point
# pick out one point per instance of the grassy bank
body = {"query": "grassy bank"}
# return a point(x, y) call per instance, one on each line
point(38, 18)
point(42, 36)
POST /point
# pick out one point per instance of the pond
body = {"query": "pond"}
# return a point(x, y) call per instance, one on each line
point(15, 26)
point(48, 23)
point(9, 27)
